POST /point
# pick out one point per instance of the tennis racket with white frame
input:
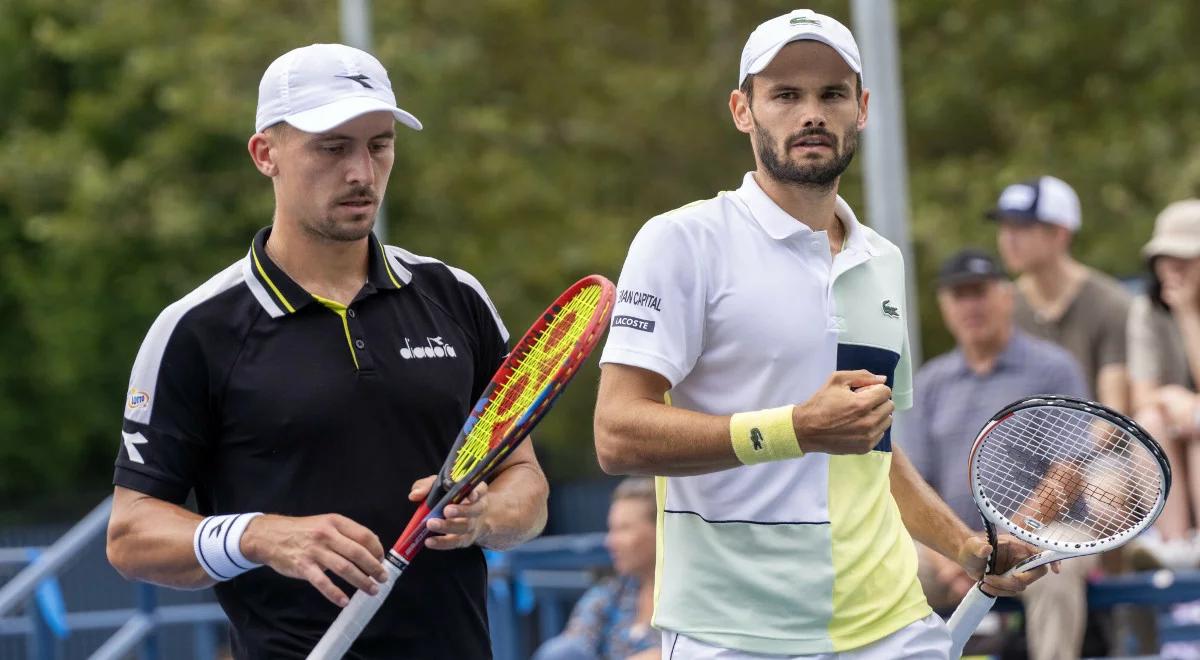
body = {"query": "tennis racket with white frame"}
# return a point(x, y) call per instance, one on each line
point(525, 386)
point(1068, 476)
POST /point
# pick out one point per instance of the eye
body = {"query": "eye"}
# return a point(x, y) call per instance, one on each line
point(332, 149)
point(380, 147)
point(835, 94)
point(787, 96)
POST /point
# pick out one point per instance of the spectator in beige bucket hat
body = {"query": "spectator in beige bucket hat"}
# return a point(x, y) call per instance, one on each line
point(1164, 366)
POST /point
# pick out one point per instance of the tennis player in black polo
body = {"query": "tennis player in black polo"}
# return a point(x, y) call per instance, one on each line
point(305, 394)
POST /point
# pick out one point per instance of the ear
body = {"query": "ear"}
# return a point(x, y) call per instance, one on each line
point(739, 107)
point(262, 153)
point(862, 109)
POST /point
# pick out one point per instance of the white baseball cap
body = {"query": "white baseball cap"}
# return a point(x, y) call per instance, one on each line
point(1044, 199)
point(318, 87)
point(802, 24)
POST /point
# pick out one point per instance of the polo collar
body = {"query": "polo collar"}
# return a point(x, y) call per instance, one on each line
point(779, 225)
point(384, 272)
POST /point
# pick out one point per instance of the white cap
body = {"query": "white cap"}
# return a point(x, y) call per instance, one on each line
point(318, 87)
point(1044, 199)
point(802, 24)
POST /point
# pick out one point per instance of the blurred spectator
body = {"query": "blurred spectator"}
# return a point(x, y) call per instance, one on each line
point(1058, 298)
point(992, 365)
point(612, 620)
point(1164, 340)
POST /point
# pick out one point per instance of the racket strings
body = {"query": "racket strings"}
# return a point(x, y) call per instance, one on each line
point(536, 364)
point(1066, 475)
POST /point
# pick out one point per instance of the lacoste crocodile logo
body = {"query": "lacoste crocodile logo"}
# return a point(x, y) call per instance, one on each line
point(890, 310)
point(756, 439)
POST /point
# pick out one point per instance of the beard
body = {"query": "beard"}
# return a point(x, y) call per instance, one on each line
point(356, 228)
point(822, 174)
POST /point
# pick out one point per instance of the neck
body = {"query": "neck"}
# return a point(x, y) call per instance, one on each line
point(810, 205)
point(323, 267)
point(981, 356)
point(645, 580)
point(1055, 278)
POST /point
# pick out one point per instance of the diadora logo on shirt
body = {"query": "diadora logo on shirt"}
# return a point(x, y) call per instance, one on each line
point(434, 348)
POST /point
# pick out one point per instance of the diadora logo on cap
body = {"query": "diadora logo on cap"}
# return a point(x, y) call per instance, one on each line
point(137, 399)
point(360, 79)
point(434, 348)
point(890, 310)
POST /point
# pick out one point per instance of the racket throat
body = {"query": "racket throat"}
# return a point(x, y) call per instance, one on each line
point(400, 563)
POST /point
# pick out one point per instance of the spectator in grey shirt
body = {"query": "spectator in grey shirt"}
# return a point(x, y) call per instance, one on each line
point(992, 365)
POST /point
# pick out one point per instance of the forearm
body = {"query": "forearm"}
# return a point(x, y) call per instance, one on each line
point(1112, 387)
point(1188, 321)
point(647, 437)
point(151, 540)
point(636, 433)
point(928, 520)
point(517, 506)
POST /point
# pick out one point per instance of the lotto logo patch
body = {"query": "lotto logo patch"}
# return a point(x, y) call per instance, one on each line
point(137, 399)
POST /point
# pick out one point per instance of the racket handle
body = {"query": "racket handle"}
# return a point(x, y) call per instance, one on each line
point(354, 617)
point(962, 624)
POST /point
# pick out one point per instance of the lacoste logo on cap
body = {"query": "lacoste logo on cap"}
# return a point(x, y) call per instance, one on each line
point(805, 20)
point(360, 79)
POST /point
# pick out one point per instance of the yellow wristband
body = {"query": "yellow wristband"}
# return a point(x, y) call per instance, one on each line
point(764, 435)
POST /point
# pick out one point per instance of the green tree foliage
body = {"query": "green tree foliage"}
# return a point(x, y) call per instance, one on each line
point(554, 129)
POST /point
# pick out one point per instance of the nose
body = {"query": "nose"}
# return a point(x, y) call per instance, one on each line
point(360, 170)
point(813, 114)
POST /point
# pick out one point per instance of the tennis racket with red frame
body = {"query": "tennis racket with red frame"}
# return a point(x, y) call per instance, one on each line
point(528, 382)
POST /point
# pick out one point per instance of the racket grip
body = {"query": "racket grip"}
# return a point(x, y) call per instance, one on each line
point(354, 617)
point(962, 624)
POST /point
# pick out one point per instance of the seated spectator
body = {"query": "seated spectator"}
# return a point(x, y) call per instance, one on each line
point(612, 620)
point(992, 365)
point(1164, 356)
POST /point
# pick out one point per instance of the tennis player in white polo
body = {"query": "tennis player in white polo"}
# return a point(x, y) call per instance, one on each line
point(757, 352)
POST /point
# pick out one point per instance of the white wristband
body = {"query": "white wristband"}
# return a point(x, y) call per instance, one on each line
point(218, 545)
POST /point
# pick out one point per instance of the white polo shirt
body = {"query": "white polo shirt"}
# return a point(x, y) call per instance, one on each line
point(741, 307)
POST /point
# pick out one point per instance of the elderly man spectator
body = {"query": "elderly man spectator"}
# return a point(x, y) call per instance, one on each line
point(992, 365)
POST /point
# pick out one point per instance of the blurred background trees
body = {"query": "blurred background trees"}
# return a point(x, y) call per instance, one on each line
point(554, 129)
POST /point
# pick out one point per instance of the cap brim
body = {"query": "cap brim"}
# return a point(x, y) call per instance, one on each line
point(332, 115)
point(967, 278)
point(1018, 216)
point(1164, 247)
point(765, 59)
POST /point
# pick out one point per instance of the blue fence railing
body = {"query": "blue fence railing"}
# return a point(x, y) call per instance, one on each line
point(62, 600)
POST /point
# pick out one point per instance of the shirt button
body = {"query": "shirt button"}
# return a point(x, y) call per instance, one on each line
point(360, 344)
point(351, 313)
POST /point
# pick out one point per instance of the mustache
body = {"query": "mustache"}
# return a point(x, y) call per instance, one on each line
point(813, 132)
point(358, 194)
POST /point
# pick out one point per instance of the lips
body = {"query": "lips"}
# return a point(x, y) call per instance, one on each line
point(813, 141)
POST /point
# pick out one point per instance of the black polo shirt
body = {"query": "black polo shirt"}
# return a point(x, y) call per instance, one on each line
point(260, 398)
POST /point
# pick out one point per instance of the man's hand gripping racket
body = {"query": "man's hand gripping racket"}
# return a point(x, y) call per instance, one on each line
point(523, 389)
point(1070, 477)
